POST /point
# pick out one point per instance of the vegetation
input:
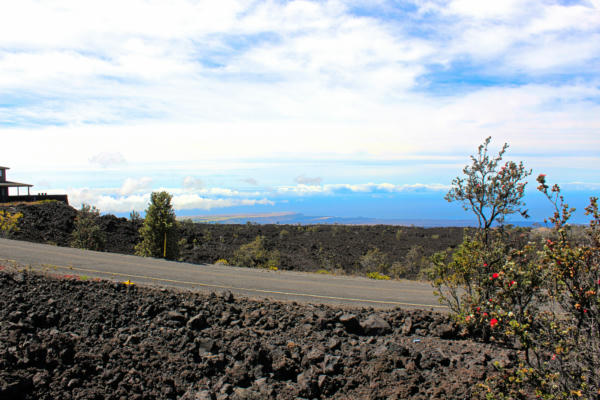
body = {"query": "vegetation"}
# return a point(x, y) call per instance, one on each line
point(414, 265)
point(135, 217)
point(378, 276)
point(254, 254)
point(540, 298)
point(158, 235)
point(374, 260)
point(87, 233)
point(9, 223)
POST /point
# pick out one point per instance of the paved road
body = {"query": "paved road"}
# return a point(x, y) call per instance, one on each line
point(282, 285)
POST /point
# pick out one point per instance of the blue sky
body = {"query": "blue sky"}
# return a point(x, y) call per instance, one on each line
point(349, 108)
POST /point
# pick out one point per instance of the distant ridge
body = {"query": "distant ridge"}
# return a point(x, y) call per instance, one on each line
point(291, 218)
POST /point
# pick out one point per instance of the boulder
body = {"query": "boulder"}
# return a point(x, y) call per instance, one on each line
point(375, 325)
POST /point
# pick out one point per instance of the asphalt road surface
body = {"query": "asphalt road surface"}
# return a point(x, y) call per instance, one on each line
point(256, 283)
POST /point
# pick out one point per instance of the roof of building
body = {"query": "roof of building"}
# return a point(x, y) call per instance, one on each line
point(4, 168)
point(14, 184)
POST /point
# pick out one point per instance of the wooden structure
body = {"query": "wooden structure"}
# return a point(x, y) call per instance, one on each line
point(5, 196)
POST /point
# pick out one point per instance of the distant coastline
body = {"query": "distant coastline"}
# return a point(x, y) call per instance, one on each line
point(292, 218)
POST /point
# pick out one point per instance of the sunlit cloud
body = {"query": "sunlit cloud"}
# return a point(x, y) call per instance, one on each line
point(131, 186)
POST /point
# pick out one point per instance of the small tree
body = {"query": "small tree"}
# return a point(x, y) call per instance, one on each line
point(487, 271)
point(9, 223)
point(87, 233)
point(135, 217)
point(158, 234)
point(489, 190)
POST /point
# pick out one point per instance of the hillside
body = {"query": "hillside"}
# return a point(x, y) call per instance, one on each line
point(330, 248)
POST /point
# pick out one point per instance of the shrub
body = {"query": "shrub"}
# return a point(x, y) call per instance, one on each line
point(9, 223)
point(374, 261)
point(87, 233)
point(413, 266)
point(221, 261)
point(471, 280)
point(542, 301)
point(158, 234)
point(254, 254)
point(378, 276)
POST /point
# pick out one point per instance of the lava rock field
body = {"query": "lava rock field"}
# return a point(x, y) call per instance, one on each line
point(68, 338)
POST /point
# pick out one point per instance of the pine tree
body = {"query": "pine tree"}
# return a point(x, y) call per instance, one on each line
point(158, 234)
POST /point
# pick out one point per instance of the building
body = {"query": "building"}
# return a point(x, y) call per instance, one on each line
point(5, 196)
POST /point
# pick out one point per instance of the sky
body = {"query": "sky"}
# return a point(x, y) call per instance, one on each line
point(343, 108)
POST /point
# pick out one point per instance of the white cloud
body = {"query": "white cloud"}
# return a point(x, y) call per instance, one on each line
point(304, 180)
point(108, 201)
point(250, 181)
point(193, 201)
point(108, 159)
point(359, 188)
point(192, 183)
point(530, 35)
point(131, 185)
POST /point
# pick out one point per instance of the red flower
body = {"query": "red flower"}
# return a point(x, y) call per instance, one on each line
point(495, 275)
point(511, 283)
point(485, 314)
point(485, 264)
point(493, 322)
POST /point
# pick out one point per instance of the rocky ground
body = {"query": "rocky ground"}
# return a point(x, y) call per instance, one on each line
point(66, 338)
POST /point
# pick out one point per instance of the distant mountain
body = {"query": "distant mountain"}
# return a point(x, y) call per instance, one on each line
point(291, 218)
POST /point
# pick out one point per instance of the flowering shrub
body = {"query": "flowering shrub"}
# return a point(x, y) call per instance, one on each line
point(490, 274)
point(542, 299)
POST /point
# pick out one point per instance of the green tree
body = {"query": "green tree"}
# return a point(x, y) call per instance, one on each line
point(158, 234)
point(87, 233)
